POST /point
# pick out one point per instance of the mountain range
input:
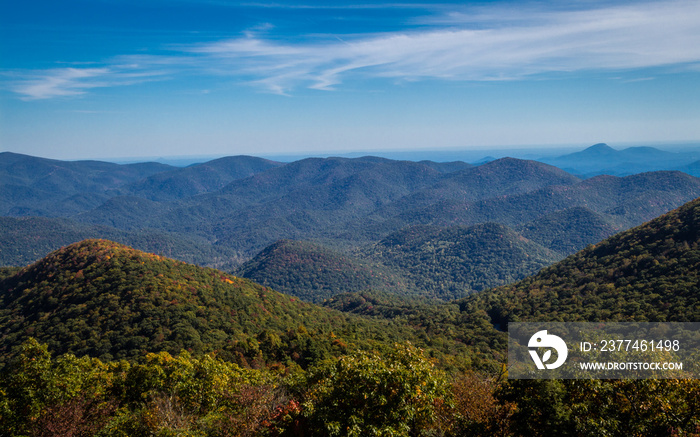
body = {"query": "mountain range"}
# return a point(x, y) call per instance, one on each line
point(108, 318)
point(603, 159)
point(104, 299)
point(230, 211)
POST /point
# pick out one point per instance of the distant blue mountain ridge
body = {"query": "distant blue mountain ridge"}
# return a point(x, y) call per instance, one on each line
point(603, 159)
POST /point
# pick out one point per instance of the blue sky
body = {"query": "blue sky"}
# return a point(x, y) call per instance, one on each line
point(113, 78)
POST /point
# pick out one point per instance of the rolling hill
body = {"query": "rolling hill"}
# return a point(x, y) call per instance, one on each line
point(101, 299)
point(305, 199)
point(48, 187)
point(106, 300)
point(33, 186)
point(493, 179)
point(569, 230)
point(421, 260)
point(361, 201)
point(505, 176)
point(24, 240)
point(314, 273)
point(628, 201)
point(351, 203)
point(71, 177)
point(648, 273)
point(198, 178)
point(453, 262)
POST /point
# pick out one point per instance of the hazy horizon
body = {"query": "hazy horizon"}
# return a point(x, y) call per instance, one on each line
point(475, 155)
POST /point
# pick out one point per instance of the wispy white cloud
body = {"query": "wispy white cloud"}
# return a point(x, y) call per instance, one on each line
point(484, 45)
point(478, 44)
point(75, 81)
point(58, 82)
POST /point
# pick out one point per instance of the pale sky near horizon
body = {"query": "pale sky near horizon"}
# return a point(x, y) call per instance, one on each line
point(104, 79)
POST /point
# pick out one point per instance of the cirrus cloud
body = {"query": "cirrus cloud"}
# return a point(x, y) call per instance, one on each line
point(475, 45)
point(75, 81)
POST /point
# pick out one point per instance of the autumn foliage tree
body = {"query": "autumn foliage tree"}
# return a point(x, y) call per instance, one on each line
point(366, 394)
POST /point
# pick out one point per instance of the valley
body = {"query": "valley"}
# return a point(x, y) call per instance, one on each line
point(231, 211)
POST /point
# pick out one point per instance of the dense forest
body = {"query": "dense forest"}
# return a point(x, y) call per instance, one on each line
point(109, 301)
point(442, 263)
point(369, 364)
point(24, 240)
point(368, 307)
point(448, 263)
point(400, 392)
point(223, 212)
point(650, 273)
point(314, 273)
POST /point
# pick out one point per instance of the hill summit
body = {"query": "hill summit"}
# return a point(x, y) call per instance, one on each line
point(314, 273)
point(599, 149)
point(648, 273)
point(103, 299)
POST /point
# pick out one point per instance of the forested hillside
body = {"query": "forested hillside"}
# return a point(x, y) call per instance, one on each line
point(284, 367)
point(237, 206)
point(24, 240)
point(198, 178)
point(569, 230)
point(427, 261)
point(649, 273)
point(34, 186)
point(453, 262)
point(315, 273)
point(107, 300)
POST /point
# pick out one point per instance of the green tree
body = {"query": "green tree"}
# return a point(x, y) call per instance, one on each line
point(38, 391)
point(367, 394)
